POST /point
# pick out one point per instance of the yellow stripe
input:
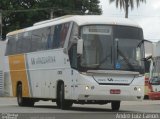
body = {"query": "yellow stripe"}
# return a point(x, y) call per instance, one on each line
point(18, 73)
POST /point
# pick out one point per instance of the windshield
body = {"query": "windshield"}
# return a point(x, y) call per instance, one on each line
point(97, 47)
point(128, 54)
point(112, 48)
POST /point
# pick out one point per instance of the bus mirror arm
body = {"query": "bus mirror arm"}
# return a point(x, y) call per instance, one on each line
point(146, 58)
point(80, 46)
point(143, 59)
point(141, 42)
point(65, 50)
point(75, 39)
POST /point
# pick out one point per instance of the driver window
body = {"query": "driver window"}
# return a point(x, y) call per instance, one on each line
point(91, 50)
point(73, 56)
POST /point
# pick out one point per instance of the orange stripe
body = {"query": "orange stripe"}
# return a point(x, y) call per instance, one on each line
point(18, 73)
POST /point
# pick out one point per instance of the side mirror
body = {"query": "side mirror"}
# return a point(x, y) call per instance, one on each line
point(80, 46)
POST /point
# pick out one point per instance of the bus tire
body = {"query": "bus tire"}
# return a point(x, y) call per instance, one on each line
point(63, 104)
point(115, 105)
point(21, 100)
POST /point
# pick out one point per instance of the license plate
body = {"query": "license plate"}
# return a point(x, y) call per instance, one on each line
point(115, 91)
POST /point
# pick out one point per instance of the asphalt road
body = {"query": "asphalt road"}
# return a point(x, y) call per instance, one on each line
point(48, 110)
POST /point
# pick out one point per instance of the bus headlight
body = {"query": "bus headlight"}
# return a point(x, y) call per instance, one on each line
point(87, 87)
point(137, 89)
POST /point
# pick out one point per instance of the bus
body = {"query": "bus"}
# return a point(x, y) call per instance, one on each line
point(76, 59)
point(154, 79)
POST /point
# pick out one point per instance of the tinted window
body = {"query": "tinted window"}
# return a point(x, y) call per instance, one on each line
point(40, 39)
point(23, 43)
point(11, 45)
point(127, 32)
point(60, 33)
point(97, 47)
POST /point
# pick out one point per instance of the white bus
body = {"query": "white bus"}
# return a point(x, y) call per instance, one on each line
point(76, 59)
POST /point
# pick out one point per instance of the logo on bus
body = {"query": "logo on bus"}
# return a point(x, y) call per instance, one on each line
point(110, 79)
point(43, 60)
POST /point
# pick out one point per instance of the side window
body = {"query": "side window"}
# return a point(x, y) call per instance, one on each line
point(73, 56)
point(64, 31)
point(42, 39)
point(60, 33)
point(11, 45)
point(49, 37)
point(19, 45)
point(35, 39)
point(38, 40)
point(72, 48)
point(74, 33)
point(23, 43)
point(27, 43)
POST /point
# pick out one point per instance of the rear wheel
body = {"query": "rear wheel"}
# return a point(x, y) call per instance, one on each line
point(21, 100)
point(115, 105)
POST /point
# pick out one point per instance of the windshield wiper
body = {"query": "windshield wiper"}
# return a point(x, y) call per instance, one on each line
point(93, 65)
point(125, 59)
point(119, 52)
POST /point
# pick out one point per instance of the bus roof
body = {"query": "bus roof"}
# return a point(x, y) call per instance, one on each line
point(80, 20)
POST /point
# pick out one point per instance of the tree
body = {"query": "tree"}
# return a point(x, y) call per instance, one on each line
point(19, 14)
point(125, 4)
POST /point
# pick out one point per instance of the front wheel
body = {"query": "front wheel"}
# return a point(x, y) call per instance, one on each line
point(115, 105)
point(61, 102)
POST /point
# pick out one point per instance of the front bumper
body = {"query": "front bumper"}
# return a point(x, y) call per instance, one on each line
point(127, 93)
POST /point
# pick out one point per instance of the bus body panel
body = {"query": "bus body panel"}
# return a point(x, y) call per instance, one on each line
point(40, 71)
point(43, 70)
point(96, 91)
point(18, 73)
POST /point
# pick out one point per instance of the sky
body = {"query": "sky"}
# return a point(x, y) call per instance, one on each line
point(147, 16)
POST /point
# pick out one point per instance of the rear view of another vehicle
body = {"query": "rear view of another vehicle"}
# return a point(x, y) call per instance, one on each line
point(154, 83)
